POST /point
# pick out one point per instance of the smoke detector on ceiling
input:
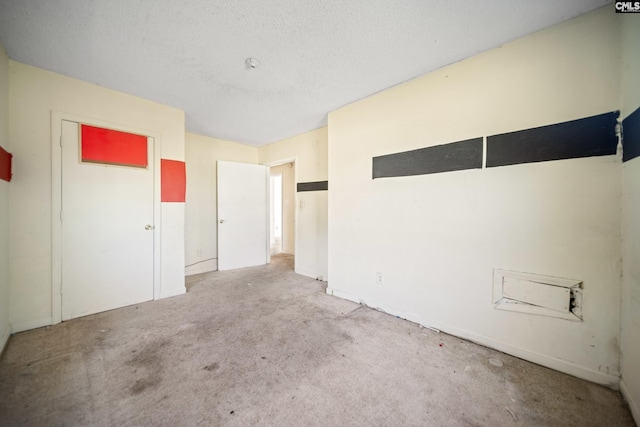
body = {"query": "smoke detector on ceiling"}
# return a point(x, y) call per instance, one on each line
point(252, 63)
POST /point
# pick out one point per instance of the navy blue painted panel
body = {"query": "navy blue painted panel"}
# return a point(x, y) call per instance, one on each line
point(588, 137)
point(439, 158)
point(631, 136)
point(313, 186)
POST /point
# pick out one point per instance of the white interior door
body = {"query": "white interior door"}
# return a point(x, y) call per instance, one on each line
point(107, 231)
point(243, 209)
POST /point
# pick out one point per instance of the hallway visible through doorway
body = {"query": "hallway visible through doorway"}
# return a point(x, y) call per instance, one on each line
point(275, 228)
point(282, 186)
point(284, 260)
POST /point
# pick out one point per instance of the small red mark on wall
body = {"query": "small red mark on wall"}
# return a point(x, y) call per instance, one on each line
point(173, 180)
point(113, 147)
point(5, 165)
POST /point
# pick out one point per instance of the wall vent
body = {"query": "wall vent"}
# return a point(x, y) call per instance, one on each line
point(536, 294)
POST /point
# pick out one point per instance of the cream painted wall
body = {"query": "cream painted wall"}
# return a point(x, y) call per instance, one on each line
point(436, 238)
point(33, 95)
point(630, 342)
point(309, 150)
point(5, 325)
point(288, 205)
point(201, 231)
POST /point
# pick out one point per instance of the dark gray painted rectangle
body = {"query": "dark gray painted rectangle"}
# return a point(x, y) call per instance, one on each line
point(439, 158)
point(631, 136)
point(313, 186)
point(588, 137)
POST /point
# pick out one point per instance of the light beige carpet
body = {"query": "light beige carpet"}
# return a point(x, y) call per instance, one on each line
point(264, 346)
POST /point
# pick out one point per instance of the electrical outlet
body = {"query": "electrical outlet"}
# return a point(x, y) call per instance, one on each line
point(379, 278)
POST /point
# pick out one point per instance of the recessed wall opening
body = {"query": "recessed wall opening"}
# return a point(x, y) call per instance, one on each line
point(537, 294)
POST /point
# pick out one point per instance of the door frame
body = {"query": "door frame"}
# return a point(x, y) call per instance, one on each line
point(296, 233)
point(56, 201)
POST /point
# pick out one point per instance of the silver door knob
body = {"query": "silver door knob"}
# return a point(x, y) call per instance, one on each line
point(222, 221)
point(148, 227)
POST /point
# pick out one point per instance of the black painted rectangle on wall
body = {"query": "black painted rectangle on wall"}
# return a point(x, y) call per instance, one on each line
point(439, 158)
point(631, 136)
point(588, 137)
point(313, 186)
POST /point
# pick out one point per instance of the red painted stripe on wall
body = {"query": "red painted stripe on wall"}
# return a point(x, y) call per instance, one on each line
point(173, 180)
point(5, 165)
point(113, 147)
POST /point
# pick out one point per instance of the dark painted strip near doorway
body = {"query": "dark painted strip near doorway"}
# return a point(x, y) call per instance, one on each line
point(587, 137)
point(313, 186)
point(631, 136)
point(454, 156)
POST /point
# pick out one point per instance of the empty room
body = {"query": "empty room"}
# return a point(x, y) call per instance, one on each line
point(319, 213)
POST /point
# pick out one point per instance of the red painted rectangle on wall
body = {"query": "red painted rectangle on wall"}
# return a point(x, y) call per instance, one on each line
point(173, 180)
point(113, 147)
point(5, 165)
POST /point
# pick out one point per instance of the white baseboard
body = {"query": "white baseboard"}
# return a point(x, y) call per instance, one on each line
point(4, 338)
point(173, 293)
point(634, 405)
point(306, 274)
point(609, 380)
point(311, 275)
point(30, 324)
point(203, 267)
point(344, 295)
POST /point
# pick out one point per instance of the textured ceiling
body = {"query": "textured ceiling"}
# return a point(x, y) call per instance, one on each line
point(315, 55)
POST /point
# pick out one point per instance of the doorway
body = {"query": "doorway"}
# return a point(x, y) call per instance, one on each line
point(275, 229)
point(282, 213)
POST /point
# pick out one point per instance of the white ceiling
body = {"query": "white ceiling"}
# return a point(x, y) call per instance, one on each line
point(315, 55)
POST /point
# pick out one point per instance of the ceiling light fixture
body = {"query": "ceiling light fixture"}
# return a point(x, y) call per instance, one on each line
point(252, 63)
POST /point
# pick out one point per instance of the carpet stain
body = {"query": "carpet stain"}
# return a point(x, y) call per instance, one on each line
point(346, 337)
point(148, 359)
point(145, 383)
point(149, 355)
point(211, 367)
